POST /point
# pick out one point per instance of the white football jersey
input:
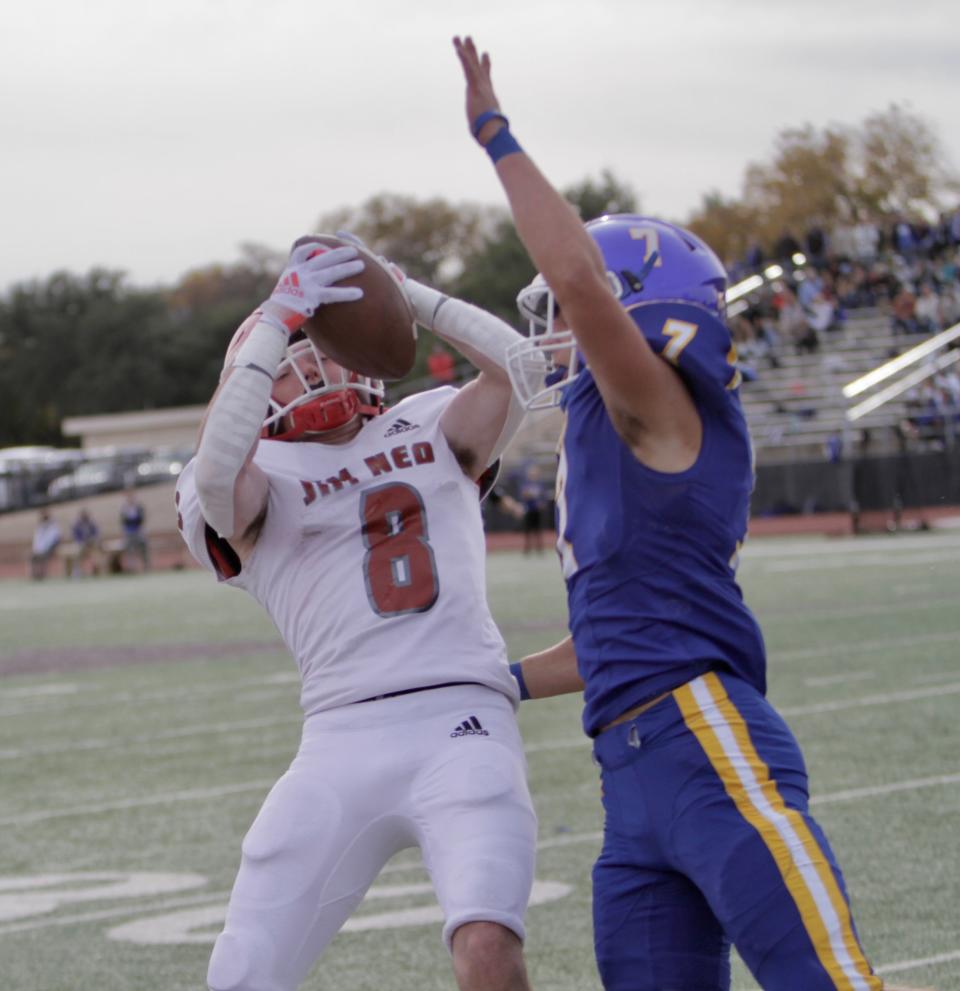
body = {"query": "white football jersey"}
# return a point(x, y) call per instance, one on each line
point(371, 561)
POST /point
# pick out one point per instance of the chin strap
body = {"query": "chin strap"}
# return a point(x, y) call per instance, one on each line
point(234, 421)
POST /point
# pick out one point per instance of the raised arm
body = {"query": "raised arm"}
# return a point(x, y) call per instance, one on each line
point(646, 399)
point(483, 417)
point(231, 489)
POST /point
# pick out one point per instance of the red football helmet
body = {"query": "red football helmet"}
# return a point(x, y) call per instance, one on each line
point(315, 397)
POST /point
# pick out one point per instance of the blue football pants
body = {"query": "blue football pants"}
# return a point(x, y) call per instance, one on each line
point(708, 841)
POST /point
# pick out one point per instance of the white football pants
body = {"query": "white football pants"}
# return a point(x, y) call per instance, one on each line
point(441, 769)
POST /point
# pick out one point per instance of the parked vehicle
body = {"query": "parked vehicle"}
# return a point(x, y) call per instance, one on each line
point(90, 478)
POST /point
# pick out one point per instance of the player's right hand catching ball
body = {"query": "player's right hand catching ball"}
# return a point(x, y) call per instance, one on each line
point(309, 282)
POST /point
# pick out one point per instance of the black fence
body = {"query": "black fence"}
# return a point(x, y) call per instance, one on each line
point(874, 483)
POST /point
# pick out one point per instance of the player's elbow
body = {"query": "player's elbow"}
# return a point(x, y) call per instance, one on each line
point(215, 492)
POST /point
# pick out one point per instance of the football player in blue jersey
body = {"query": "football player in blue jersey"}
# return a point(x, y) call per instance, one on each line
point(707, 839)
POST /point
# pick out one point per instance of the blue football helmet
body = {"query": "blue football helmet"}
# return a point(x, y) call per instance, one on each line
point(648, 261)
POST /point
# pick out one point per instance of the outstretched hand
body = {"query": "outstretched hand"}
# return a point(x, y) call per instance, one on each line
point(309, 282)
point(480, 94)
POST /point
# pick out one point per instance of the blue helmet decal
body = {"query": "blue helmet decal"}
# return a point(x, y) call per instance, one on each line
point(650, 260)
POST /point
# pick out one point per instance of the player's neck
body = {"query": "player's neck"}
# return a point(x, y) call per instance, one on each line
point(338, 435)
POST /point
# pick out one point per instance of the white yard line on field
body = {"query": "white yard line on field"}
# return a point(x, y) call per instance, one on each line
point(840, 648)
point(839, 679)
point(901, 965)
point(125, 743)
point(126, 804)
point(871, 791)
point(206, 729)
point(911, 695)
point(45, 700)
point(263, 785)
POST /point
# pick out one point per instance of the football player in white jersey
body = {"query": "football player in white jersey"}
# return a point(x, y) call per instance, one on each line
point(360, 533)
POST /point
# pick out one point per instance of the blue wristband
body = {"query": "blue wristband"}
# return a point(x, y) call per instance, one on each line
point(503, 143)
point(482, 119)
point(516, 669)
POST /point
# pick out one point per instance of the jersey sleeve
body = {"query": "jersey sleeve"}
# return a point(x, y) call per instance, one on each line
point(697, 344)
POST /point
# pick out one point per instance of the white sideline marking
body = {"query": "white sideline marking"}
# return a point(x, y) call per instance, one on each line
point(15, 753)
point(869, 700)
point(202, 794)
point(188, 795)
point(840, 648)
point(840, 679)
point(40, 691)
point(870, 791)
point(95, 699)
point(894, 968)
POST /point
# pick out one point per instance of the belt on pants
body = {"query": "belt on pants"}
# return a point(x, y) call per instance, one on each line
point(410, 691)
point(634, 712)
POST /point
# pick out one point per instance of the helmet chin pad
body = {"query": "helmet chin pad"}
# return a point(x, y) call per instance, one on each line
point(326, 412)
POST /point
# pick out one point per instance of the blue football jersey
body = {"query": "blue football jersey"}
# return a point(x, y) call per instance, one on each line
point(649, 557)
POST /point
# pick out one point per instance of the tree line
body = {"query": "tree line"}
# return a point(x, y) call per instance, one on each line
point(87, 344)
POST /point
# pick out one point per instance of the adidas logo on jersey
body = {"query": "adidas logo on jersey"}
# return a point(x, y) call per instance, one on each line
point(400, 427)
point(470, 727)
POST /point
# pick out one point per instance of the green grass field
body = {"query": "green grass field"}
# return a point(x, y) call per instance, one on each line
point(125, 788)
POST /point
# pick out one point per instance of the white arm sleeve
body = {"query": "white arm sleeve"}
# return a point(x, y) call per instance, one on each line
point(463, 323)
point(234, 422)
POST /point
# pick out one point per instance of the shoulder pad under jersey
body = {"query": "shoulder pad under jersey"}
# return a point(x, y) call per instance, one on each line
point(696, 342)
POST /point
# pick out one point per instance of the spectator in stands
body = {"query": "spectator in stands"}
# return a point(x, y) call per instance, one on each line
point(809, 287)
point(793, 325)
point(133, 519)
point(86, 535)
point(841, 242)
point(866, 240)
point(46, 540)
point(822, 315)
point(440, 365)
point(815, 243)
point(902, 238)
point(950, 304)
point(904, 309)
point(953, 228)
point(786, 247)
point(927, 310)
point(754, 258)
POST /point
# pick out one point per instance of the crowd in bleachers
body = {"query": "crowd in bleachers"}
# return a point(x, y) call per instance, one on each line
point(910, 270)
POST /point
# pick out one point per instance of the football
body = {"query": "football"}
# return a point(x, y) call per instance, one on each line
point(373, 336)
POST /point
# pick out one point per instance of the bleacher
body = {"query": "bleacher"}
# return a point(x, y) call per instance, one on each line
point(794, 408)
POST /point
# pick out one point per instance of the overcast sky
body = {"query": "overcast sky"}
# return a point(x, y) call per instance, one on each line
point(156, 137)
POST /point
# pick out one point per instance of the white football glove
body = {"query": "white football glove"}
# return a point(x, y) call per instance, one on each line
point(309, 282)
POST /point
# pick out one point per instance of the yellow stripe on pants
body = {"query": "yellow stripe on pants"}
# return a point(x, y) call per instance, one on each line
point(722, 733)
